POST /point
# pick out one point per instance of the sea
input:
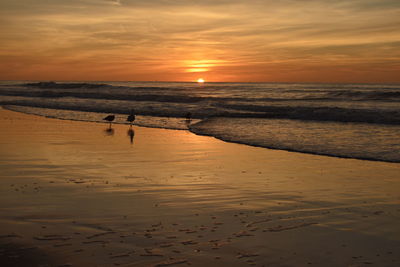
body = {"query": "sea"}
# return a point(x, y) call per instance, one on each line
point(360, 121)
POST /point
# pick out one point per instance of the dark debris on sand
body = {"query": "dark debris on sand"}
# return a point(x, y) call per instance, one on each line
point(16, 255)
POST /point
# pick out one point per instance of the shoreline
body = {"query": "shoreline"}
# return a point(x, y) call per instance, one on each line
point(213, 136)
point(89, 197)
point(295, 151)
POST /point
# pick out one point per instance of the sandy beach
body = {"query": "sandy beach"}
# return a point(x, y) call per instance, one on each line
point(76, 194)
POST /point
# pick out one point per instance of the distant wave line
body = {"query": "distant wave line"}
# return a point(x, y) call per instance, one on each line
point(333, 114)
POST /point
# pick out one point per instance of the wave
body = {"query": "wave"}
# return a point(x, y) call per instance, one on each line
point(329, 138)
point(140, 96)
point(179, 98)
point(147, 106)
point(60, 86)
point(372, 95)
point(54, 85)
point(189, 93)
point(109, 96)
point(141, 108)
point(308, 102)
point(320, 113)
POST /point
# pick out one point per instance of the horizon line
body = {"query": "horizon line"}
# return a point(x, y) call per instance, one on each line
point(105, 81)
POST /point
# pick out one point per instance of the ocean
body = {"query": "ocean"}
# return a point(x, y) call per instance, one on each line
point(360, 121)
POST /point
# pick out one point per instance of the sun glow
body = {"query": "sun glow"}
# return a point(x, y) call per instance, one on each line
point(200, 80)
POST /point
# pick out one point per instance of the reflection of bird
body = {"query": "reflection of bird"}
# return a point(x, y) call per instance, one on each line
point(109, 118)
point(188, 118)
point(109, 131)
point(131, 118)
point(131, 134)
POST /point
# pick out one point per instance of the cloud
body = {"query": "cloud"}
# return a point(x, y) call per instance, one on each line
point(245, 36)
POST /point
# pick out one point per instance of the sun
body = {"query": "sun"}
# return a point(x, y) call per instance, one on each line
point(200, 80)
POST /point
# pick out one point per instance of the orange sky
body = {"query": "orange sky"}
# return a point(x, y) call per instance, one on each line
point(219, 40)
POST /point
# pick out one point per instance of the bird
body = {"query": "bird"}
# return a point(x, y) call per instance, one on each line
point(131, 118)
point(109, 118)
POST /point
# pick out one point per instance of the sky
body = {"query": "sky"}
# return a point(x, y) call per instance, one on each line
point(218, 40)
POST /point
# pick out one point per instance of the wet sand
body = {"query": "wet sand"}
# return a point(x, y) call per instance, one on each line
point(77, 194)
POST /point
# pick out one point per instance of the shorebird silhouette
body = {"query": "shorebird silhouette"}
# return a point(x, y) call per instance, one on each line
point(131, 118)
point(109, 118)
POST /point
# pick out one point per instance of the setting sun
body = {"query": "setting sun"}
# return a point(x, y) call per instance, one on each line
point(200, 80)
